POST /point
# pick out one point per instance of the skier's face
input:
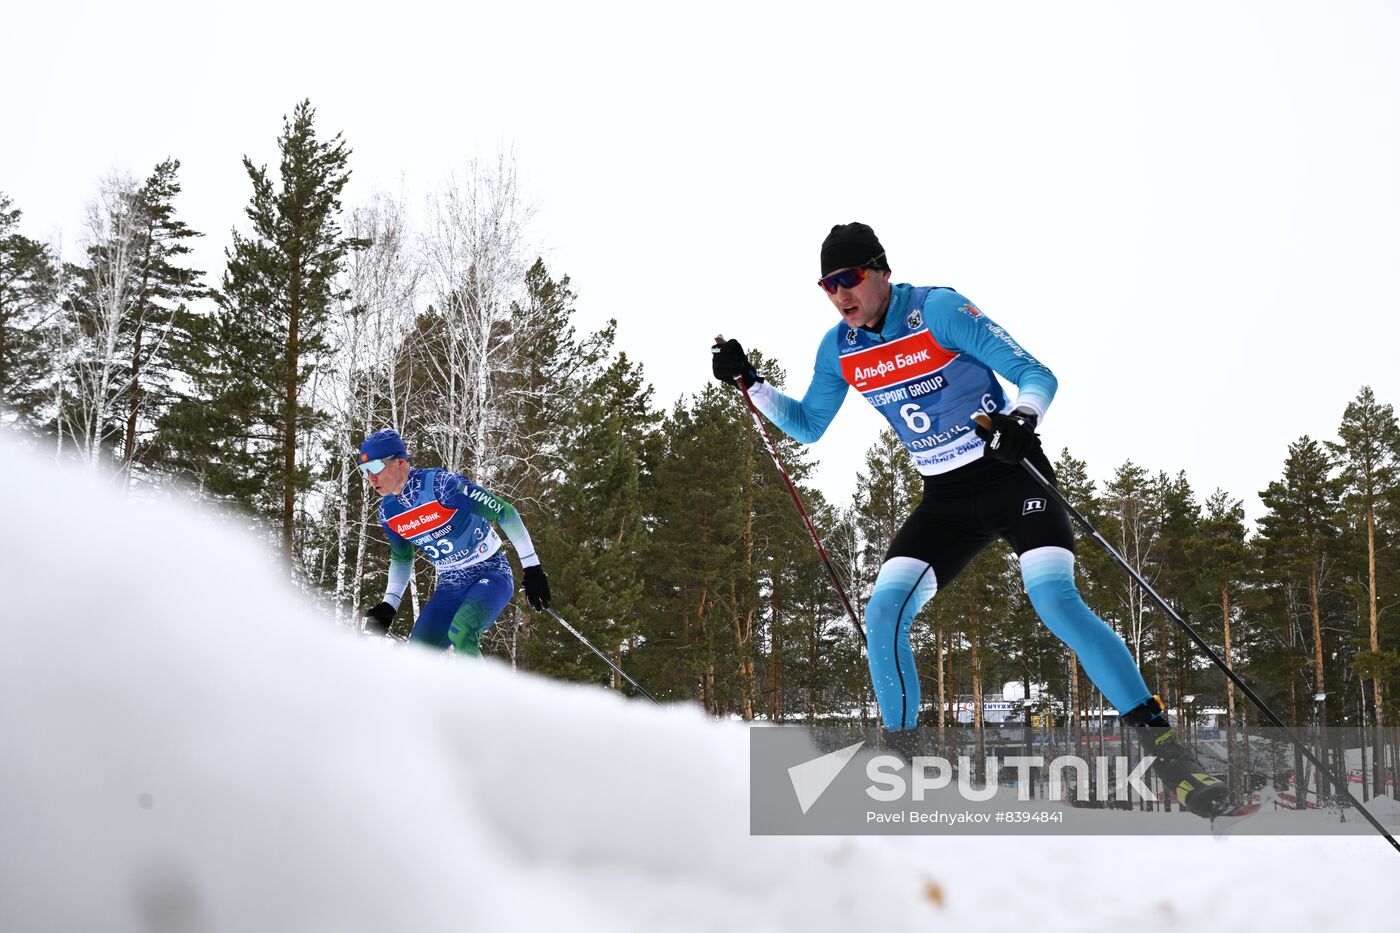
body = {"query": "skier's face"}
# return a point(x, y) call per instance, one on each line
point(862, 304)
point(390, 480)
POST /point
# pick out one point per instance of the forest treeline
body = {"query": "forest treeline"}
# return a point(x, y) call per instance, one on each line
point(670, 541)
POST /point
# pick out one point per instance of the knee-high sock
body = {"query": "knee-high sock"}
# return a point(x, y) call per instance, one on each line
point(901, 589)
point(1048, 573)
point(467, 625)
point(483, 603)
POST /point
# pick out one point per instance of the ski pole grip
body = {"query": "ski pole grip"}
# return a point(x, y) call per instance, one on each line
point(982, 419)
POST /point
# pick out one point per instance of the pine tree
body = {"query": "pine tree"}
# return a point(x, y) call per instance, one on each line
point(1369, 457)
point(886, 492)
point(164, 291)
point(1220, 555)
point(29, 285)
point(1095, 574)
point(976, 604)
point(783, 598)
point(815, 660)
point(593, 538)
point(1098, 575)
point(1133, 526)
point(540, 384)
point(726, 551)
point(128, 305)
point(1299, 534)
point(1177, 583)
point(260, 351)
point(697, 540)
point(1027, 650)
point(548, 372)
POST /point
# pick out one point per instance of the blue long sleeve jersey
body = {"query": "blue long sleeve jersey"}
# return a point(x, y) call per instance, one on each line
point(928, 371)
point(448, 518)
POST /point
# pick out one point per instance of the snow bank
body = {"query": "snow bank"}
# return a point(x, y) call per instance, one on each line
point(188, 745)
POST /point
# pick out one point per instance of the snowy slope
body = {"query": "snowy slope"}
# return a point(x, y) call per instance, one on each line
point(188, 746)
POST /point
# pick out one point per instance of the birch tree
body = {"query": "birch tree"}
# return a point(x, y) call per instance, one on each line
point(371, 377)
point(104, 309)
point(475, 259)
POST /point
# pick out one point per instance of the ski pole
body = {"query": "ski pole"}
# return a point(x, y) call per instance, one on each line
point(606, 660)
point(797, 501)
point(1200, 642)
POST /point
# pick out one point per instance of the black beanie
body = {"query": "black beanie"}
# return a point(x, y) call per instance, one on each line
point(851, 245)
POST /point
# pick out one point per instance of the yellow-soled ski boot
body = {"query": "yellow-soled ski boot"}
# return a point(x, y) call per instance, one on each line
point(1201, 793)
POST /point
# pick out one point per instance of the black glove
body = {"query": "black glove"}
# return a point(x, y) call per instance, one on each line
point(380, 618)
point(729, 363)
point(1012, 437)
point(537, 588)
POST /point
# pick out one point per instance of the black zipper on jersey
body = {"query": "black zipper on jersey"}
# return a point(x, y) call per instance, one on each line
point(879, 334)
point(879, 337)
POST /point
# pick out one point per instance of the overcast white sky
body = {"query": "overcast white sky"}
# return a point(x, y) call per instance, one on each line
point(1188, 211)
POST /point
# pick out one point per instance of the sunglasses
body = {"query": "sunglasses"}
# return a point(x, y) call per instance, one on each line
point(376, 466)
point(846, 278)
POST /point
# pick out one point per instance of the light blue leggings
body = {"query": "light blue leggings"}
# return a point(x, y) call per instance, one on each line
point(905, 584)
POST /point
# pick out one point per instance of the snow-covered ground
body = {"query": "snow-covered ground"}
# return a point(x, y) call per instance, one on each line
point(187, 745)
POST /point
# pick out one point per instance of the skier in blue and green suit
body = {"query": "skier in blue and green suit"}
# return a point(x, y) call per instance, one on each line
point(450, 519)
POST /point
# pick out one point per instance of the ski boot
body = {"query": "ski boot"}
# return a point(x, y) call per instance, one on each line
point(906, 743)
point(1201, 793)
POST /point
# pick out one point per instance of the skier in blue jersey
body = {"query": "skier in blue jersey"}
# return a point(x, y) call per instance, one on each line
point(925, 357)
point(449, 519)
